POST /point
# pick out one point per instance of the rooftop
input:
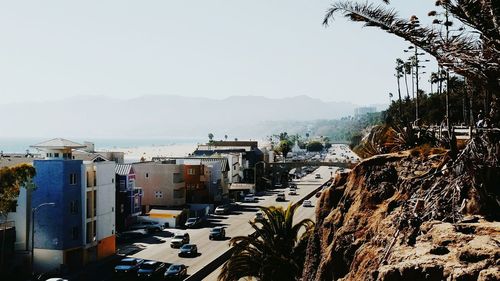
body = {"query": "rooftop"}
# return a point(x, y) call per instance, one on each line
point(58, 143)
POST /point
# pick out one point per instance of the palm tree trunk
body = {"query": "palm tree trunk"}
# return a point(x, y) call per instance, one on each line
point(406, 82)
point(399, 96)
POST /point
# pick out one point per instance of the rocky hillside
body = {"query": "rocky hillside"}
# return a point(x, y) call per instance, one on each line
point(412, 215)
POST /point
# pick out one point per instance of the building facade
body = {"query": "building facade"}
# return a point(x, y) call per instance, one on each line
point(162, 184)
point(79, 226)
point(128, 197)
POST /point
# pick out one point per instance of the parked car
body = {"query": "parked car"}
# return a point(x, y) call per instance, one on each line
point(280, 196)
point(56, 279)
point(128, 267)
point(250, 197)
point(259, 216)
point(176, 272)
point(150, 270)
point(318, 194)
point(307, 203)
point(179, 239)
point(193, 222)
point(150, 226)
point(127, 236)
point(292, 191)
point(217, 232)
point(188, 250)
point(223, 209)
point(317, 176)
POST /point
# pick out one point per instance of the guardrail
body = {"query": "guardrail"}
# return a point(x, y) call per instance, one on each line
point(220, 260)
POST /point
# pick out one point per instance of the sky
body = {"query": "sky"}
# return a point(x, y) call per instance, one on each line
point(51, 50)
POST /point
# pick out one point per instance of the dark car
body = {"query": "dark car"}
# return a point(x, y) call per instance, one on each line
point(131, 235)
point(176, 272)
point(193, 222)
point(217, 232)
point(128, 267)
point(188, 250)
point(151, 270)
point(280, 196)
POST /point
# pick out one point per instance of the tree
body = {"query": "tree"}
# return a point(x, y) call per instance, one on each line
point(284, 147)
point(314, 146)
point(225, 137)
point(11, 180)
point(471, 50)
point(210, 137)
point(275, 252)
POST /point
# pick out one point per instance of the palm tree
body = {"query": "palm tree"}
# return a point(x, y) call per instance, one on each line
point(472, 50)
point(399, 74)
point(275, 252)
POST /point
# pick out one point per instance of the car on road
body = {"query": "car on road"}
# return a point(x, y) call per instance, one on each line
point(250, 197)
point(317, 176)
point(217, 232)
point(280, 196)
point(293, 191)
point(151, 270)
point(128, 267)
point(188, 250)
point(318, 194)
point(176, 272)
point(259, 216)
point(126, 236)
point(179, 239)
point(307, 203)
point(193, 222)
point(150, 226)
point(223, 209)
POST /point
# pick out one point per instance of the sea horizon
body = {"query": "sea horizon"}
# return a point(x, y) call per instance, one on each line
point(20, 145)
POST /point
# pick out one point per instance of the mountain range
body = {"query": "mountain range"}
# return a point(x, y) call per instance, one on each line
point(161, 116)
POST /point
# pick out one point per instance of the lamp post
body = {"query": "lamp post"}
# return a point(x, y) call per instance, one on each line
point(33, 212)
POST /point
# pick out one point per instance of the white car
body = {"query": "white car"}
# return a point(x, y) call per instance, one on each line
point(307, 203)
point(250, 197)
point(148, 225)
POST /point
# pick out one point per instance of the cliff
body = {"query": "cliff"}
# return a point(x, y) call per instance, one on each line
point(412, 215)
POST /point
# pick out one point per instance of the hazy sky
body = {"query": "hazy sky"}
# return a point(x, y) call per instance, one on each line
point(56, 49)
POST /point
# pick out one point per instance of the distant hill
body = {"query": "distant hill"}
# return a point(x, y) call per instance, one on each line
point(161, 116)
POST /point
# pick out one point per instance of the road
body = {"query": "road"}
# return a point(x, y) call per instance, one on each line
point(157, 247)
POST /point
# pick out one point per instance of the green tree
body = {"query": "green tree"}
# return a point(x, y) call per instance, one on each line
point(11, 180)
point(276, 252)
point(284, 147)
point(210, 137)
point(314, 146)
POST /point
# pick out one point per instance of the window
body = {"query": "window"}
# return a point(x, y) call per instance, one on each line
point(158, 194)
point(56, 155)
point(179, 193)
point(191, 171)
point(122, 184)
point(72, 179)
point(73, 206)
point(177, 178)
point(147, 175)
point(74, 233)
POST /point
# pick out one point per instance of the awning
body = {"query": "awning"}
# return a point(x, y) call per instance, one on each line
point(164, 214)
point(242, 186)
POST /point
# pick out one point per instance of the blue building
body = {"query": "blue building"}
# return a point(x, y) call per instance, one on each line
point(78, 226)
point(58, 233)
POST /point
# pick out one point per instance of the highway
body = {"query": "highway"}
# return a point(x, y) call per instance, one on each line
point(157, 247)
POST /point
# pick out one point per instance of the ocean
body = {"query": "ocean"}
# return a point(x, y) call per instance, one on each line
point(20, 145)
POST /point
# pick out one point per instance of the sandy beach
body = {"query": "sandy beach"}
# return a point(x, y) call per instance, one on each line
point(134, 154)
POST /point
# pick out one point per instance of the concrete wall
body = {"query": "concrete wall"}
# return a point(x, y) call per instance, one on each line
point(48, 260)
point(105, 199)
point(157, 178)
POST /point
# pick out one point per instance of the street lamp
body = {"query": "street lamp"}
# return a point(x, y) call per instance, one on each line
point(33, 212)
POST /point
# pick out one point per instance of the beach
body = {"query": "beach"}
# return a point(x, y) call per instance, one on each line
point(134, 154)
